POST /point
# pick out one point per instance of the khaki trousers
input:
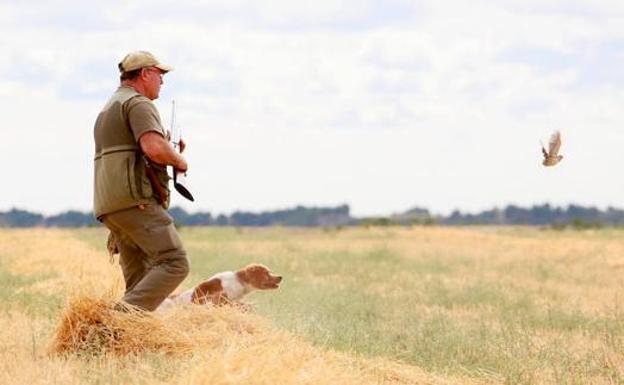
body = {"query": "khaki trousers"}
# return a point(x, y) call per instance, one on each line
point(152, 258)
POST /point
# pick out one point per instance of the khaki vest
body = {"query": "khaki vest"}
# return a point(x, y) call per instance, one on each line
point(120, 181)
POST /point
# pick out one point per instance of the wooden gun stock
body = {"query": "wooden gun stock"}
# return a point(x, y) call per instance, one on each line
point(159, 192)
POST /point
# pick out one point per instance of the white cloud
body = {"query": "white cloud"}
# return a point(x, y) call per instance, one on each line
point(289, 103)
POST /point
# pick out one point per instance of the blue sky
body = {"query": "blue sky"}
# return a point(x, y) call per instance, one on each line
point(383, 105)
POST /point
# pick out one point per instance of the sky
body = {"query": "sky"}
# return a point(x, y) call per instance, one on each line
point(383, 105)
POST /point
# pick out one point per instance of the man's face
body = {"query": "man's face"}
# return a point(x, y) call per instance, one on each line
point(152, 81)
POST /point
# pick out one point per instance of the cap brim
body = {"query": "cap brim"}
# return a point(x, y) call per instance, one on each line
point(164, 68)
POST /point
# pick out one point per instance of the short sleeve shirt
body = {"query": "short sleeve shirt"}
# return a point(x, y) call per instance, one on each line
point(143, 117)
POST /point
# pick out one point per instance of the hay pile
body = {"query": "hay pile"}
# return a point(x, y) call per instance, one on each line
point(94, 326)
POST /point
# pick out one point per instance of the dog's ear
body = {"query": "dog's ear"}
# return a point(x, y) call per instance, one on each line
point(203, 291)
point(252, 274)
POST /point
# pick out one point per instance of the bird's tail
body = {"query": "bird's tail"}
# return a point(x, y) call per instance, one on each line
point(544, 152)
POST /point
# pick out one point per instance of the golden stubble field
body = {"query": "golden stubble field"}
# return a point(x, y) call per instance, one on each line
point(426, 305)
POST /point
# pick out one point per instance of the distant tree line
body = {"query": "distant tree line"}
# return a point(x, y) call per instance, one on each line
point(22, 218)
point(575, 215)
point(298, 216)
point(540, 215)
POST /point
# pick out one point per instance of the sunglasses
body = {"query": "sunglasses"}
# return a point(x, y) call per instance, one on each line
point(156, 70)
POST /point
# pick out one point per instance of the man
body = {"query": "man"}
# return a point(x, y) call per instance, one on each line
point(131, 192)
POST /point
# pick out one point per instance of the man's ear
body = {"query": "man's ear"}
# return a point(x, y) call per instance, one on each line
point(143, 73)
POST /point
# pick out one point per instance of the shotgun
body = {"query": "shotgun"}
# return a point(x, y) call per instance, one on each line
point(179, 178)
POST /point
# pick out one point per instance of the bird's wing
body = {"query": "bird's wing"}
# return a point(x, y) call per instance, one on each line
point(554, 144)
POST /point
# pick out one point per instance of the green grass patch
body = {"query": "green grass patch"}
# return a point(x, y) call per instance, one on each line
point(16, 292)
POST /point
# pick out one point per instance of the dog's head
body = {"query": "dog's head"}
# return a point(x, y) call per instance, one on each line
point(259, 277)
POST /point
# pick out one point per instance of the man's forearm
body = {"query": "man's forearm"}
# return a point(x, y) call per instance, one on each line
point(160, 151)
point(169, 157)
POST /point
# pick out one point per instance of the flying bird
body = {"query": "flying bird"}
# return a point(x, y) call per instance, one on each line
point(552, 157)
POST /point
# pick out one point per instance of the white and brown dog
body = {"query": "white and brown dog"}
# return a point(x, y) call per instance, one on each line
point(227, 287)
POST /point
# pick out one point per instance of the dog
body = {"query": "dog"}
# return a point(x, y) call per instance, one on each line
point(227, 287)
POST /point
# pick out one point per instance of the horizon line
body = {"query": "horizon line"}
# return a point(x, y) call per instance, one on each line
point(414, 207)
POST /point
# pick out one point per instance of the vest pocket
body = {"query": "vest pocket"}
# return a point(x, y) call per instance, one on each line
point(115, 187)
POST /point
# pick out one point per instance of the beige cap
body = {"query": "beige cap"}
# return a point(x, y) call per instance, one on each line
point(141, 59)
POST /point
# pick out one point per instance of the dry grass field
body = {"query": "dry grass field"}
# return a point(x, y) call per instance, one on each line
point(420, 305)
